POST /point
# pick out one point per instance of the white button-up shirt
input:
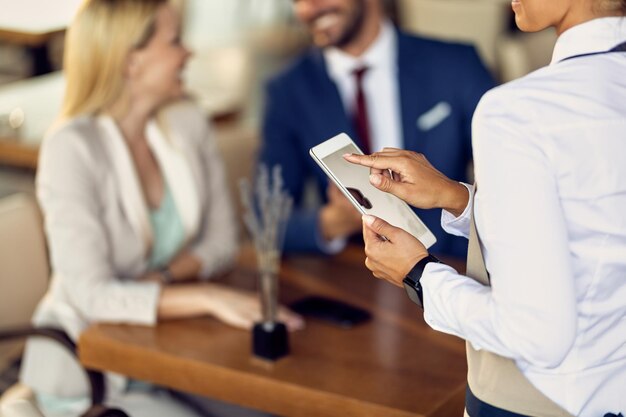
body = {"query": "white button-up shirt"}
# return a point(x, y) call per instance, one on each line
point(550, 158)
point(380, 86)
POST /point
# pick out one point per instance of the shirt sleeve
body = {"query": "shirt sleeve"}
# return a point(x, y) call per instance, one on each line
point(330, 247)
point(529, 312)
point(80, 251)
point(459, 226)
point(303, 234)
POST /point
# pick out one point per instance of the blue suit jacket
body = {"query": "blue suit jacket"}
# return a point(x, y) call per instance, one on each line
point(304, 108)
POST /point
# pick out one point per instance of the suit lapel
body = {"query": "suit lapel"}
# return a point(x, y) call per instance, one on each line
point(176, 170)
point(328, 115)
point(331, 117)
point(414, 91)
point(131, 194)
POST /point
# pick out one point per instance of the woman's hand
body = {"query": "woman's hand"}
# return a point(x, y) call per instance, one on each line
point(409, 176)
point(232, 306)
point(392, 257)
point(242, 309)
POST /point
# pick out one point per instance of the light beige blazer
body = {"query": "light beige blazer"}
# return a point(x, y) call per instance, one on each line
point(99, 234)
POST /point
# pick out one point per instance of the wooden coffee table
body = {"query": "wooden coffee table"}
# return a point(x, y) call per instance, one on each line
point(393, 366)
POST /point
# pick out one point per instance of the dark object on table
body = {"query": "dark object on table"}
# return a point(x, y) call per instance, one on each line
point(333, 311)
point(269, 340)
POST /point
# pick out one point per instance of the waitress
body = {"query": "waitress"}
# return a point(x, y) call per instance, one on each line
point(545, 314)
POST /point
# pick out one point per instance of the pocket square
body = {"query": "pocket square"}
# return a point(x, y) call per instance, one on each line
point(434, 116)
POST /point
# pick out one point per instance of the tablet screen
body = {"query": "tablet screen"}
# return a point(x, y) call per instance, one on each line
point(355, 178)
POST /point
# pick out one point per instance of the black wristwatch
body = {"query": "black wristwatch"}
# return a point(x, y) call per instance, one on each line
point(412, 281)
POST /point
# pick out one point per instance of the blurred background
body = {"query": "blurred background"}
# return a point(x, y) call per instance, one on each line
point(237, 44)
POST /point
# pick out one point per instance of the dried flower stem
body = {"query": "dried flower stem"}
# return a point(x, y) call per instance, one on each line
point(266, 221)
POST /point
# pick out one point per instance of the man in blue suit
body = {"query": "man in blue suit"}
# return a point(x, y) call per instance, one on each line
point(382, 87)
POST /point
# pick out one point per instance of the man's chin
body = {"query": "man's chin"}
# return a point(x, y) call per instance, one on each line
point(328, 39)
point(323, 39)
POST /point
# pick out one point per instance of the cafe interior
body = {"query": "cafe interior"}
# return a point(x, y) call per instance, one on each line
point(386, 363)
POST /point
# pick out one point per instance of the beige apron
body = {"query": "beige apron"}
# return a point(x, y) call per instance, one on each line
point(494, 379)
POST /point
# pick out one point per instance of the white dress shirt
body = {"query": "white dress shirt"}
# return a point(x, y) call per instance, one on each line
point(550, 158)
point(380, 86)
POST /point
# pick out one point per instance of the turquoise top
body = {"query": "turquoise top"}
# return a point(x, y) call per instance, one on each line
point(168, 231)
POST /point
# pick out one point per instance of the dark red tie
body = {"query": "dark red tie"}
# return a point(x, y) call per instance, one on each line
point(361, 121)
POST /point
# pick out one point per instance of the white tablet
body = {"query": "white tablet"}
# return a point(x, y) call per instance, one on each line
point(353, 181)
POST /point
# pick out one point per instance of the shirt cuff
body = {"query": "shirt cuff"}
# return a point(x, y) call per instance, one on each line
point(459, 226)
point(430, 277)
point(328, 247)
point(437, 281)
point(130, 302)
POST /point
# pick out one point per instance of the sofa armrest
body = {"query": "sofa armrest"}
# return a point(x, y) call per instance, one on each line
point(96, 378)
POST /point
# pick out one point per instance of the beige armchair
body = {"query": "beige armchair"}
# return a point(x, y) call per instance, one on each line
point(484, 23)
point(479, 22)
point(23, 279)
point(20, 408)
point(522, 53)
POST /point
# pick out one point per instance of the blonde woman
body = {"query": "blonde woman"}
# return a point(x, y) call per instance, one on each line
point(134, 198)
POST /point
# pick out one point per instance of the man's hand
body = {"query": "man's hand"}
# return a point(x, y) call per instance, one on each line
point(409, 176)
point(338, 218)
point(390, 257)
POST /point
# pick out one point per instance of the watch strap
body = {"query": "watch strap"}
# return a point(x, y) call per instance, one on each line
point(412, 281)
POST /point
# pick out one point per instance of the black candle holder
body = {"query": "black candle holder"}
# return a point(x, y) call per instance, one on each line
point(270, 340)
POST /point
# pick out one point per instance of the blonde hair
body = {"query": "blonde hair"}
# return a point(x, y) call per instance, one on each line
point(98, 42)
